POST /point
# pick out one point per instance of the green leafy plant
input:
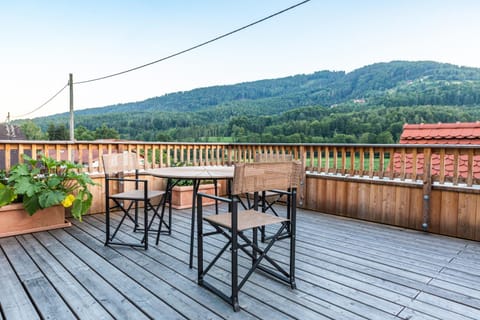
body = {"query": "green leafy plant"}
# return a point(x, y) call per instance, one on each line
point(7, 195)
point(46, 182)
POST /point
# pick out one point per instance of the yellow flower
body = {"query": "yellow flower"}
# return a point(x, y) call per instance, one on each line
point(68, 201)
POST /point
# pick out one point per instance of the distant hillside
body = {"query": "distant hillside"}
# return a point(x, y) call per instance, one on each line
point(214, 111)
point(205, 98)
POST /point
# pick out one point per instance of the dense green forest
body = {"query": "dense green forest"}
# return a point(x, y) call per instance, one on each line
point(367, 105)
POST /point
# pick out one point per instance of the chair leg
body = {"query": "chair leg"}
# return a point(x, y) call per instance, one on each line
point(117, 228)
point(200, 243)
point(169, 214)
point(107, 224)
point(135, 226)
point(107, 210)
point(234, 260)
point(264, 209)
point(293, 234)
point(145, 224)
point(196, 185)
point(215, 184)
point(168, 198)
point(255, 241)
point(162, 216)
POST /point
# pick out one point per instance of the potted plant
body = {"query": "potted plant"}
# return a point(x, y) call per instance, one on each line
point(34, 186)
point(182, 193)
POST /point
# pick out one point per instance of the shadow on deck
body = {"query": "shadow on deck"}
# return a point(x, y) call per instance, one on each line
point(346, 269)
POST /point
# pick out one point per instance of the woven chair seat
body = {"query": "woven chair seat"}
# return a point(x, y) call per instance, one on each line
point(137, 194)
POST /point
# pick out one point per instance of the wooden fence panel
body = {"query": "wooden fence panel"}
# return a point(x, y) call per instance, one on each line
point(415, 212)
point(435, 211)
point(467, 212)
point(374, 208)
point(330, 195)
point(363, 206)
point(402, 207)
point(448, 213)
point(311, 199)
point(477, 220)
point(388, 204)
point(341, 198)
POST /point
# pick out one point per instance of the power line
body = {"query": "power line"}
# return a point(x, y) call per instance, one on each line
point(43, 104)
point(167, 57)
point(194, 47)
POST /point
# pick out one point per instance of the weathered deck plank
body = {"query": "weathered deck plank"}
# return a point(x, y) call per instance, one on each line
point(14, 301)
point(106, 264)
point(346, 269)
point(147, 274)
point(175, 247)
point(47, 300)
point(66, 284)
point(118, 305)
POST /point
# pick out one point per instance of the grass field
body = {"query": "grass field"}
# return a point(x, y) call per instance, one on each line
point(357, 164)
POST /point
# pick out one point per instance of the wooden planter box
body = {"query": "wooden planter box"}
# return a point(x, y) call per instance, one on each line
point(182, 195)
point(14, 220)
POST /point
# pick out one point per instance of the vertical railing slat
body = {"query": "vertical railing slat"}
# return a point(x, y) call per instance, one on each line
point(370, 162)
point(455, 166)
point(470, 168)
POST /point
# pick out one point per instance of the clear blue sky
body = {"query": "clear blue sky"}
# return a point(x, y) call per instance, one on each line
point(43, 41)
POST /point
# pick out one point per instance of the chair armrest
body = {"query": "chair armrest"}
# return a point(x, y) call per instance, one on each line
point(214, 197)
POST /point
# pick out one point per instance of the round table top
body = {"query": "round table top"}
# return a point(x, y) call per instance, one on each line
point(195, 172)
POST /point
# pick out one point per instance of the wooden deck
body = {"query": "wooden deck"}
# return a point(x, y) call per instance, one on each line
point(346, 269)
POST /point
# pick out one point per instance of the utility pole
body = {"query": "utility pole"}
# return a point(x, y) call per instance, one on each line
point(72, 129)
point(9, 128)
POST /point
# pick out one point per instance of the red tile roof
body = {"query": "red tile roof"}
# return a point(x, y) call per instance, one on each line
point(440, 133)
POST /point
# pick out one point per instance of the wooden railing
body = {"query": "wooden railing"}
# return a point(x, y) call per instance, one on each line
point(430, 187)
point(457, 165)
point(154, 154)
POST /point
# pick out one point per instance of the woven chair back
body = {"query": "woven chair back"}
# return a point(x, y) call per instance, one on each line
point(262, 176)
point(120, 162)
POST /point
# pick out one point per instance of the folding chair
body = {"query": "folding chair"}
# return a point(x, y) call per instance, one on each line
point(237, 225)
point(131, 192)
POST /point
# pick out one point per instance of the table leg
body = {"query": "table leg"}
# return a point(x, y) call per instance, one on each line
point(215, 183)
point(196, 185)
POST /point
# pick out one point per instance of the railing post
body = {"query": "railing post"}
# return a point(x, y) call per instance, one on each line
point(427, 187)
point(301, 190)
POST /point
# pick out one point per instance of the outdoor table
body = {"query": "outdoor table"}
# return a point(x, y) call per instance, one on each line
point(196, 174)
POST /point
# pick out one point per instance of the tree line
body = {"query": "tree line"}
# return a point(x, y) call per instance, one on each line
point(367, 105)
point(302, 125)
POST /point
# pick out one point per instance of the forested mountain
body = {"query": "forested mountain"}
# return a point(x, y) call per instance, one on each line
point(369, 105)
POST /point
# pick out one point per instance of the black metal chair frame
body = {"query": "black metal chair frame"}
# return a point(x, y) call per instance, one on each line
point(135, 197)
point(257, 254)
